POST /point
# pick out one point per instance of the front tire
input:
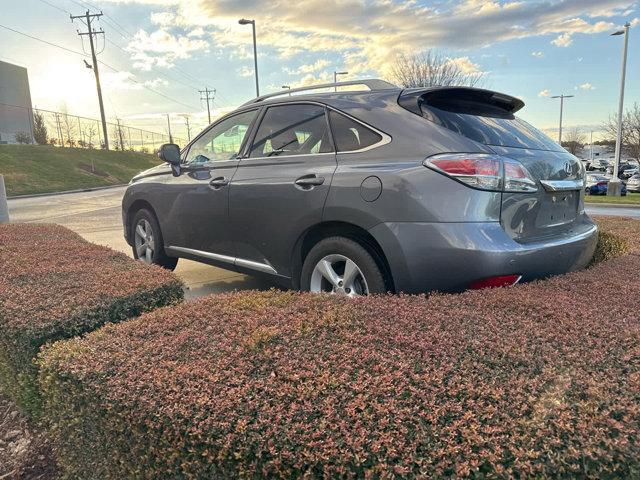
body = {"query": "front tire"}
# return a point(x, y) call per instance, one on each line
point(148, 245)
point(342, 266)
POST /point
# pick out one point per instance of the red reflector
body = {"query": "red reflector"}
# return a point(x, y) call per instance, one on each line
point(468, 166)
point(495, 282)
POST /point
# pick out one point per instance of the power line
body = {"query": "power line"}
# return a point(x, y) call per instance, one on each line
point(99, 61)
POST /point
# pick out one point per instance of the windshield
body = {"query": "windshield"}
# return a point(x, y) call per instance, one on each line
point(487, 125)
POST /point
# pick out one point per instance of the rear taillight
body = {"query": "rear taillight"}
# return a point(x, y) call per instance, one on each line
point(496, 282)
point(484, 171)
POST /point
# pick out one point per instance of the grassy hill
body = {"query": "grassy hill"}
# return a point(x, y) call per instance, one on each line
point(41, 169)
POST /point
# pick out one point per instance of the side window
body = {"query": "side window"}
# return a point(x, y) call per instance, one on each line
point(350, 135)
point(292, 130)
point(223, 141)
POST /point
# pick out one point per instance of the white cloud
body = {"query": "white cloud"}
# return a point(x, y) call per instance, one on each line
point(563, 40)
point(537, 54)
point(162, 49)
point(369, 33)
point(245, 71)
point(544, 93)
point(466, 65)
point(587, 86)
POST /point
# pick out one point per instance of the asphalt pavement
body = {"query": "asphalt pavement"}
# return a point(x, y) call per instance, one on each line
point(97, 217)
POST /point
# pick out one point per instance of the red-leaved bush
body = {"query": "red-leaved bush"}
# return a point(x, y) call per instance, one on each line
point(55, 285)
point(539, 380)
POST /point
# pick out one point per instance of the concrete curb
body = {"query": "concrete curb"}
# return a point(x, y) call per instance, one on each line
point(79, 190)
point(614, 205)
point(4, 208)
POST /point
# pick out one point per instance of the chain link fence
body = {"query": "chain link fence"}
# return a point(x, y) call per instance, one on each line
point(63, 129)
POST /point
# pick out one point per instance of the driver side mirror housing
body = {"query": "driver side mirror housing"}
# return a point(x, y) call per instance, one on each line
point(170, 153)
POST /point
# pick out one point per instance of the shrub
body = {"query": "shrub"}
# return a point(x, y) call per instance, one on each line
point(55, 285)
point(23, 138)
point(539, 380)
point(609, 246)
point(40, 133)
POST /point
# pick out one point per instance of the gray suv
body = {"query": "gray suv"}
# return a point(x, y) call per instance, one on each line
point(377, 189)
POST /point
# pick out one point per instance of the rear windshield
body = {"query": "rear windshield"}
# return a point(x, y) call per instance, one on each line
point(484, 124)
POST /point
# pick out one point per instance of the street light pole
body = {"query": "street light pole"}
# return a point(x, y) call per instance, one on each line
point(335, 78)
point(613, 188)
point(561, 97)
point(287, 87)
point(244, 21)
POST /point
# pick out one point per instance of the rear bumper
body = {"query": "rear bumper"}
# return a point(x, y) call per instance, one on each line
point(449, 256)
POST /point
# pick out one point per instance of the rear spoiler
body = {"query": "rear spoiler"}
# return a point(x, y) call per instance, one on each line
point(411, 98)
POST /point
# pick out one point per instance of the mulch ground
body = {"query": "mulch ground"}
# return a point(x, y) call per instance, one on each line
point(24, 451)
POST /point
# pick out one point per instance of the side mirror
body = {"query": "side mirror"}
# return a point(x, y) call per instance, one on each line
point(170, 153)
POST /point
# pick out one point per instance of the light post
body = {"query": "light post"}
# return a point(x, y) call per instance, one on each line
point(561, 97)
point(244, 21)
point(335, 78)
point(614, 187)
point(287, 87)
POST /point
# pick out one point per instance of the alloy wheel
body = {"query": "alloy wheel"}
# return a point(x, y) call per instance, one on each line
point(339, 275)
point(144, 242)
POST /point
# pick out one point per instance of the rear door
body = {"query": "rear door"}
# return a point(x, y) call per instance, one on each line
point(280, 188)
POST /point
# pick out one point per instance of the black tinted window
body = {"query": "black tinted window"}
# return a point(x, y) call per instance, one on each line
point(292, 130)
point(350, 135)
point(488, 126)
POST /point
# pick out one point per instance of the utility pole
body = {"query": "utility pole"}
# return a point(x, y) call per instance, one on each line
point(209, 95)
point(186, 119)
point(561, 97)
point(169, 125)
point(88, 17)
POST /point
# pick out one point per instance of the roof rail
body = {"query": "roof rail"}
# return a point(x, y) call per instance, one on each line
point(372, 83)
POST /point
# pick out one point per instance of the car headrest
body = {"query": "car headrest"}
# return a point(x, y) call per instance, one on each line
point(286, 140)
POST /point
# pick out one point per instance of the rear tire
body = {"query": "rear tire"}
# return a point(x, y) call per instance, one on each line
point(148, 245)
point(342, 266)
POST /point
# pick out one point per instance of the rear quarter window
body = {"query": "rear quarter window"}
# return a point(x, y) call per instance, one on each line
point(350, 135)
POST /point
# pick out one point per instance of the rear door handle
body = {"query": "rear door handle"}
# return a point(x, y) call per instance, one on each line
point(219, 182)
point(309, 181)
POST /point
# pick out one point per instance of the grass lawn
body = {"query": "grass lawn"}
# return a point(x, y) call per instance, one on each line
point(40, 169)
point(630, 199)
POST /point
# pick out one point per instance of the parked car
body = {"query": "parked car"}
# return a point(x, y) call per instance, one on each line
point(633, 184)
point(369, 191)
point(598, 185)
point(625, 170)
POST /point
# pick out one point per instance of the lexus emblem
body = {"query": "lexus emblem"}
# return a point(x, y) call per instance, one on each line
point(567, 168)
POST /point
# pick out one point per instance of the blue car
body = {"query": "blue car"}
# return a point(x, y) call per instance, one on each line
point(597, 185)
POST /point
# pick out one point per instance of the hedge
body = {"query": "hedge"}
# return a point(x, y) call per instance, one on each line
point(537, 380)
point(55, 285)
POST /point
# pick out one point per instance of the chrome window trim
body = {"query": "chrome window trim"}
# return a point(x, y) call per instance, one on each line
point(241, 262)
point(386, 138)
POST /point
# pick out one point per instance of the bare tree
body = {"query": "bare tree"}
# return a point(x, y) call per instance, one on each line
point(431, 68)
point(630, 130)
point(574, 140)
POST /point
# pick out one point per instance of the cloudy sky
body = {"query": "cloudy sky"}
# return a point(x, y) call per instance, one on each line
point(158, 53)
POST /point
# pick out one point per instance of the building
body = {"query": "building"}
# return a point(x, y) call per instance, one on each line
point(16, 114)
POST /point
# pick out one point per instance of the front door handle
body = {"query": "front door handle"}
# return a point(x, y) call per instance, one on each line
point(309, 181)
point(219, 182)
